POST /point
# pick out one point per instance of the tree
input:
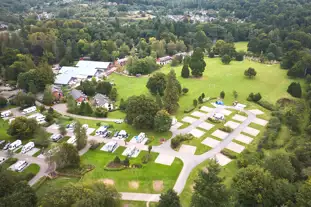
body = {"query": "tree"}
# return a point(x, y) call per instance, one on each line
point(202, 41)
point(294, 89)
point(171, 94)
point(197, 63)
point(81, 136)
point(200, 100)
point(303, 195)
point(162, 121)
point(71, 105)
point(250, 72)
point(222, 94)
point(157, 84)
point(141, 66)
point(65, 156)
point(209, 189)
point(185, 90)
point(169, 199)
point(252, 186)
point(3, 102)
point(195, 102)
point(149, 148)
point(22, 128)
point(101, 112)
point(185, 73)
point(159, 101)
point(104, 87)
point(48, 97)
point(62, 130)
point(113, 94)
point(226, 59)
point(41, 137)
point(280, 166)
point(140, 111)
point(239, 56)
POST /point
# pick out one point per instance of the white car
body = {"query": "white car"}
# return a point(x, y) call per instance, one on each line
point(118, 122)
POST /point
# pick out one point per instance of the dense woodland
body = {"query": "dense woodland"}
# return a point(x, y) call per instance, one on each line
point(277, 30)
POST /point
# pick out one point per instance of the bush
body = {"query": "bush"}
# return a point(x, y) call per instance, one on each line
point(266, 105)
point(214, 120)
point(222, 94)
point(117, 160)
point(188, 110)
point(294, 89)
point(239, 56)
point(175, 142)
point(146, 158)
point(137, 165)
point(126, 162)
point(226, 59)
point(226, 129)
point(94, 145)
point(254, 97)
point(228, 153)
point(211, 54)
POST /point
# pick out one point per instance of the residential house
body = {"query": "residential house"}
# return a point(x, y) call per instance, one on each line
point(101, 100)
point(164, 60)
point(78, 95)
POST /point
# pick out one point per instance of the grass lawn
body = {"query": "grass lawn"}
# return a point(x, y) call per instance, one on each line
point(4, 125)
point(32, 168)
point(271, 82)
point(54, 184)
point(241, 46)
point(143, 176)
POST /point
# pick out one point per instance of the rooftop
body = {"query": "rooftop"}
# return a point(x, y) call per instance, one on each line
point(101, 99)
point(77, 93)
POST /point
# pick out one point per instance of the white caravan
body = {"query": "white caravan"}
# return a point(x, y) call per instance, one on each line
point(15, 144)
point(29, 110)
point(20, 165)
point(27, 147)
point(6, 114)
point(72, 140)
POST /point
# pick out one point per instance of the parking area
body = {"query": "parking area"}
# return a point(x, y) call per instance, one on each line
point(187, 149)
point(232, 124)
point(198, 114)
point(189, 120)
point(165, 159)
point(220, 134)
point(206, 126)
point(210, 142)
point(196, 133)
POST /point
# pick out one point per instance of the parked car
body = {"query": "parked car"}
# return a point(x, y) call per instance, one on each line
point(6, 146)
point(56, 137)
point(119, 122)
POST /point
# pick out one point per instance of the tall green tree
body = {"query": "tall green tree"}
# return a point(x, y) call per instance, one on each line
point(171, 94)
point(209, 189)
point(185, 73)
point(197, 63)
point(81, 136)
point(162, 121)
point(65, 156)
point(169, 199)
point(48, 97)
point(157, 83)
point(303, 195)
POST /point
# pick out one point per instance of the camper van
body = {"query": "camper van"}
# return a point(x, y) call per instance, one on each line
point(29, 110)
point(101, 131)
point(15, 144)
point(20, 165)
point(6, 114)
point(72, 140)
point(27, 147)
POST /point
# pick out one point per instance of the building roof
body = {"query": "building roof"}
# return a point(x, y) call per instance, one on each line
point(63, 79)
point(166, 58)
point(77, 94)
point(86, 64)
point(101, 99)
point(122, 60)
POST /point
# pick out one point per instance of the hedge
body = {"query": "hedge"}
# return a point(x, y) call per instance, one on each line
point(114, 169)
point(266, 105)
point(188, 110)
point(226, 129)
point(228, 153)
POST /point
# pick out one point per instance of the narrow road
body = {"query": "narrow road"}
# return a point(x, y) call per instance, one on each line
point(62, 109)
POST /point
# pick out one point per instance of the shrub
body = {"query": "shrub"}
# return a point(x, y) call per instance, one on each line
point(185, 90)
point(294, 89)
point(117, 160)
point(137, 165)
point(226, 129)
point(222, 94)
point(226, 59)
point(211, 54)
point(188, 110)
point(228, 153)
point(175, 142)
point(239, 56)
point(126, 162)
point(254, 97)
point(266, 105)
point(146, 158)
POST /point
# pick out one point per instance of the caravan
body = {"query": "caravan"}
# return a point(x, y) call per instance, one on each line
point(15, 144)
point(27, 147)
point(29, 110)
point(20, 165)
point(72, 140)
point(102, 131)
point(6, 114)
point(38, 117)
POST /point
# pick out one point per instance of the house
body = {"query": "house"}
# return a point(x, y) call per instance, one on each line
point(78, 95)
point(57, 93)
point(164, 60)
point(101, 100)
point(121, 62)
point(83, 70)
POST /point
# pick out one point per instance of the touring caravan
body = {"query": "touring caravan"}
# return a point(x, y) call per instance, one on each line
point(29, 110)
point(27, 147)
point(6, 114)
point(101, 131)
point(15, 144)
point(20, 165)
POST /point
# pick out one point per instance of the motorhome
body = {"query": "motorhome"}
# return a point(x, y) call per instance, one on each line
point(15, 144)
point(38, 117)
point(27, 147)
point(56, 137)
point(6, 114)
point(20, 165)
point(101, 131)
point(139, 138)
point(29, 110)
point(111, 146)
point(122, 134)
point(72, 140)
point(130, 151)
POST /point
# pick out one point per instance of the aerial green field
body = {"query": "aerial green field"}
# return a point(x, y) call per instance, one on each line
point(271, 82)
point(241, 46)
point(143, 178)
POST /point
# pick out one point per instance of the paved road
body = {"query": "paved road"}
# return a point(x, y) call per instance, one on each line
point(62, 109)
